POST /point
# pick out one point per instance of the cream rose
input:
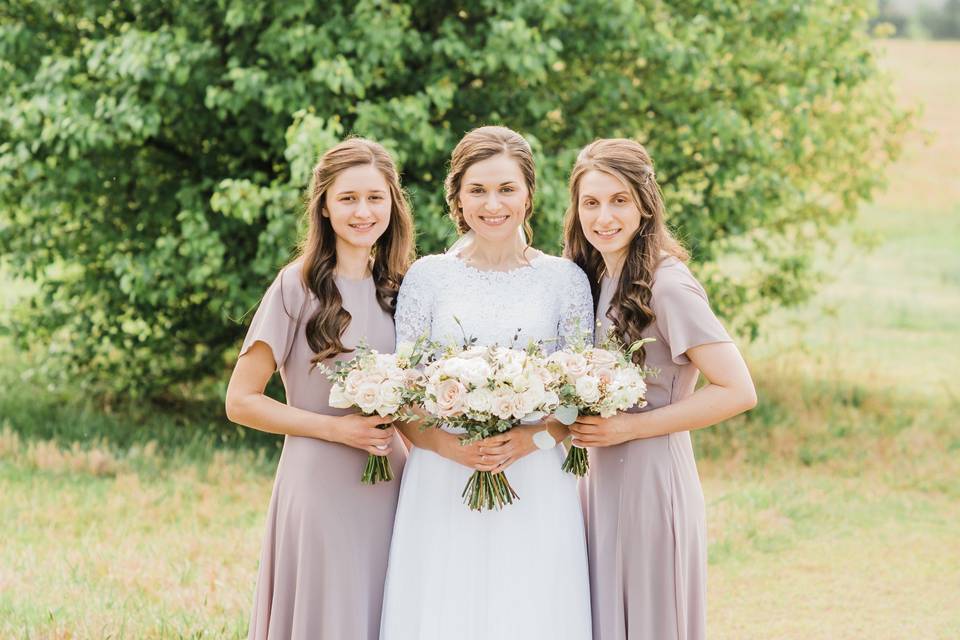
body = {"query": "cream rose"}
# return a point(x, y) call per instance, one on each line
point(368, 397)
point(450, 396)
point(577, 366)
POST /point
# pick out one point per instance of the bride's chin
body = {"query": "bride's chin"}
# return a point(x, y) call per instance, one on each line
point(495, 233)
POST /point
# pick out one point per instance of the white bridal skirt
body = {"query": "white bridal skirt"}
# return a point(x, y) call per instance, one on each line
point(517, 573)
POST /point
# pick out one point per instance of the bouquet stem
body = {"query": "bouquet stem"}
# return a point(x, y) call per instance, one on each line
point(377, 469)
point(577, 461)
point(486, 491)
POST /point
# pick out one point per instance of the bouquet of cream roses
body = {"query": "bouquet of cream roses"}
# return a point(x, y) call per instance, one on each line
point(376, 383)
point(482, 391)
point(596, 381)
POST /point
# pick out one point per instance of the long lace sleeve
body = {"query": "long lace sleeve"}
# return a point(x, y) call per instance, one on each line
point(415, 303)
point(576, 305)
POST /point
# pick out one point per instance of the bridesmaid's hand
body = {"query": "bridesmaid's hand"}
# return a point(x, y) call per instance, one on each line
point(500, 451)
point(362, 432)
point(594, 431)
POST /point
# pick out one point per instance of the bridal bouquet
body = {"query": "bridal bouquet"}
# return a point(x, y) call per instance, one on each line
point(376, 383)
point(596, 381)
point(484, 391)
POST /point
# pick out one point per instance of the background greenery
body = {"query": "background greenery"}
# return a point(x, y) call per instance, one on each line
point(153, 156)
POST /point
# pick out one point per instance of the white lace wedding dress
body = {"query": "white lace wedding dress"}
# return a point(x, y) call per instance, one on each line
point(521, 572)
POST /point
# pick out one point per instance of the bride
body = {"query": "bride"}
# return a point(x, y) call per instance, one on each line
point(519, 573)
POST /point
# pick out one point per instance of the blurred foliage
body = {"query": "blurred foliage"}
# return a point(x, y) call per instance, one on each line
point(939, 21)
point(153, 156)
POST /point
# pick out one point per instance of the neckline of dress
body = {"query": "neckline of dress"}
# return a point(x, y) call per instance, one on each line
point(340, 278)
point(531, 263)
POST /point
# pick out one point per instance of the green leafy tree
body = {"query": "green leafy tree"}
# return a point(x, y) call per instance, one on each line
point(153, 155)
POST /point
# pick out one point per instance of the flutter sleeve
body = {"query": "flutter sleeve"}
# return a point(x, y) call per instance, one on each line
point(276, 319)
point(576, 306)
point(415, 303)
point(683, 313)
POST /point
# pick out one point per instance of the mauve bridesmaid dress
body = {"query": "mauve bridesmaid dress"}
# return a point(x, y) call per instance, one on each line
point(324, 554)
point(646, 528)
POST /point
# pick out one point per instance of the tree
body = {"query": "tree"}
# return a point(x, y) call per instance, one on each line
point(153, 156)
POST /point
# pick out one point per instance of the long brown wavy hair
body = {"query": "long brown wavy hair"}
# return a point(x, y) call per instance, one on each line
point(390, 256)
point(630, 311)
point(478, 145)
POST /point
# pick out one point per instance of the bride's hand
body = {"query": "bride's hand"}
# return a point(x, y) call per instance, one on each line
point(468, 455)
point(500, 451)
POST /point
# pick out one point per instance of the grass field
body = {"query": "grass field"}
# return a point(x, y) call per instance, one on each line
point(833, 509)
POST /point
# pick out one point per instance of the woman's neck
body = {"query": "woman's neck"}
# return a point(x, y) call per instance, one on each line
point(613, 263)
point(353, 263)
point(494, 256)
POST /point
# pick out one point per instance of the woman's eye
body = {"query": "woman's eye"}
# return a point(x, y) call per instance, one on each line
point(621, 201)
point(506, 190)
point(346, 199)
point(377, 198)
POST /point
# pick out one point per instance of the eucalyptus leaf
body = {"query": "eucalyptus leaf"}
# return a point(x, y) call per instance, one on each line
point(566, 414)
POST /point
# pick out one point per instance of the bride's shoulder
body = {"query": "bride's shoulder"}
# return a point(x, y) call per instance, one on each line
point(426, 267)
point(561, 266)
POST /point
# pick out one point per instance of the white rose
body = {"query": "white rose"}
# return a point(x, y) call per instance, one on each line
point(368, 397)
point(532, 398)
point(413, 379)
point(503, 405)
point(511, 365)
point(519, 409)
point(351, 384)
point(338, 399)
point(604, 374)
point(450, 396)
point(588, 388)
point(390, 398)
point(480, 400)
point(577, 366)
point(475, 372)
point(474, 352)
point(602, 358)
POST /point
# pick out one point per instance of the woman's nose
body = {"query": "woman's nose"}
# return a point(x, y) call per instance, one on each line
point(492, 204)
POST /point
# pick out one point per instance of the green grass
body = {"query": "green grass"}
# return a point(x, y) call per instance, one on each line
point(833, 507)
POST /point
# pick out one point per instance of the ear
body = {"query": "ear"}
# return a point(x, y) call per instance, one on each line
point(324, 212)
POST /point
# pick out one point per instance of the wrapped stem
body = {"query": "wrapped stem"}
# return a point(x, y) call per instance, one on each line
point(577, 461)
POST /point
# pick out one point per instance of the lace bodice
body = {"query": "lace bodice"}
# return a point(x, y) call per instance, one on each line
point(548, 301)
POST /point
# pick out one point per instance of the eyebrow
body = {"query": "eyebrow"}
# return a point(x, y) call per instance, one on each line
point(618, 193)
point(347, 191)
point(502, 184)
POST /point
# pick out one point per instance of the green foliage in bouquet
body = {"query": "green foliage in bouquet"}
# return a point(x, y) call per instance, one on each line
point(153, 156)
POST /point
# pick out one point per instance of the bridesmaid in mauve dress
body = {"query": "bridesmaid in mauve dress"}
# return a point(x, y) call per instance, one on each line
point(324, 554)
point(646, 525)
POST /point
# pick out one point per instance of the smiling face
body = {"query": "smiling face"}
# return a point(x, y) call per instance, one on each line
point(493, 197)
point(608, 212)
point(358, 205)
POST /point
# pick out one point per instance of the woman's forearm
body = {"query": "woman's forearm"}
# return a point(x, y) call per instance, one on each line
point(429, 439)
point(257, 411)
point(707, 406)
